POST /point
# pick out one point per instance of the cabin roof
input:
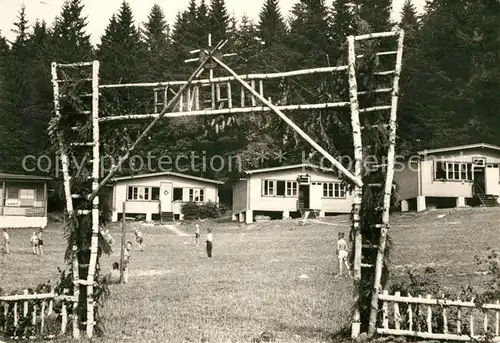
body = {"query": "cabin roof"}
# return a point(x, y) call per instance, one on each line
point(5, 176)
point(184, 176)
point(293, 166)
point(459, 148)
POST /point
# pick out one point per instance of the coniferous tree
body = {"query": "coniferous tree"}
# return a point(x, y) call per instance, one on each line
point(41, 92)
point(219, 20)
point(377, 13)
point(407, 130)
point(18, 80)
point(157, 42)
point(70, 41)
point(272, 27)
point(121, 49)
point(458, 42)
point(343, 23)
point(122, 56)
point(309, 36)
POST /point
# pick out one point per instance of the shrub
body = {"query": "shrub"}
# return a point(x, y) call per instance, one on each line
point(192, 210)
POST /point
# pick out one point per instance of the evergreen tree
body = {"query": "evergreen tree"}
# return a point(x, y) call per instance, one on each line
point(41, 92)
point(70, 41)
point(219, 20)
point(272, 27)
point(455, 74)
point(16, 121)
point(377, 13)
point(309, 34)
point(203, 19)
point(157, 42)
point(120, 50)
point(343, 23)
point(407, 130)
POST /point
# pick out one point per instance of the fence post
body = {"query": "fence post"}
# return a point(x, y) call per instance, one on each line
point(397, 316)
point(429, 315)
point(385, 312)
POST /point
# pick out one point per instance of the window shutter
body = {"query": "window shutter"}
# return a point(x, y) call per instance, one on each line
point(263, 185)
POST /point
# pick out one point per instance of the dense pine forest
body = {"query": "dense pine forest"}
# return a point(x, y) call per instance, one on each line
point(450, 86)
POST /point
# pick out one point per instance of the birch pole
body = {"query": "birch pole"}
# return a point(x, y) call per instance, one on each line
point(304, 135)
point(69, 199)
point(388, 188)
point(95, 201)
point(122, 241)
point(358, 190)
point(144, 133)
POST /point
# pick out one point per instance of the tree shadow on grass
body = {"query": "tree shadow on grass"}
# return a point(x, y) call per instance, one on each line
point(340, 336)
point(307, 332)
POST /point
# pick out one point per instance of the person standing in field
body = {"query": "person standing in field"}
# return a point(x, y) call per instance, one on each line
point(138, 238)
point(6, 240)
point(342, 254)
point(197, 234)
point(40, 241)
point(34, 243)
point(209, 242)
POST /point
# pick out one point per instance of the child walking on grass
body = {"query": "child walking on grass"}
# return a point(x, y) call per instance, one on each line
point(6, 240)
point(34, 243)
point(197, 234)
point(209, 242)
point(40, 242)
point(342, 254)
point(138, 238)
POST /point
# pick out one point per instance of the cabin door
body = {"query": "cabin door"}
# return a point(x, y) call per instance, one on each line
point(492, 180)
point(479, 181)
point(166, 197)
point(304, 196)
point(316, 194)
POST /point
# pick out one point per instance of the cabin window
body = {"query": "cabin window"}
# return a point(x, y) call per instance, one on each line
point(458, 171)
point(280, 188)
point(196, 194)
point(333, 190)
point(27, 194)
point(440, 171)
point(291, 188)
point(138, 193)
point(268, 188)
point(453, 171)
point(177, 194)
point(13, 193)
point(155, 193)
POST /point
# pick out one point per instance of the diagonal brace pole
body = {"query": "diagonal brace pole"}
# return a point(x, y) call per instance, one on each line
point(172, 102)
point(304, 135)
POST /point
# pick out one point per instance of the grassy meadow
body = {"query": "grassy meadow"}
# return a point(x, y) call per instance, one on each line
point(255, 280)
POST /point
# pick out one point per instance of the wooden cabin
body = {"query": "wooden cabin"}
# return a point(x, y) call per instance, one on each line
point(448, 177)
point(288, 190)
point(160, 195)
point(23, 201)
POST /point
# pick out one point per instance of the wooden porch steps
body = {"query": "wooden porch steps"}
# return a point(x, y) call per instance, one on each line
point(167, 217)
point(488, 200)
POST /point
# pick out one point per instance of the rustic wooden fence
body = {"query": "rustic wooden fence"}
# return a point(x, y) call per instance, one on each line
point(432, 318)
point(34, 316)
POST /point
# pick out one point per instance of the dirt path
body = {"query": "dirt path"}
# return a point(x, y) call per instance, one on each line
point(176, 230)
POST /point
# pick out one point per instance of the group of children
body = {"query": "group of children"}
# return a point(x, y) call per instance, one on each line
point(114, 276)
point(36, 241)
